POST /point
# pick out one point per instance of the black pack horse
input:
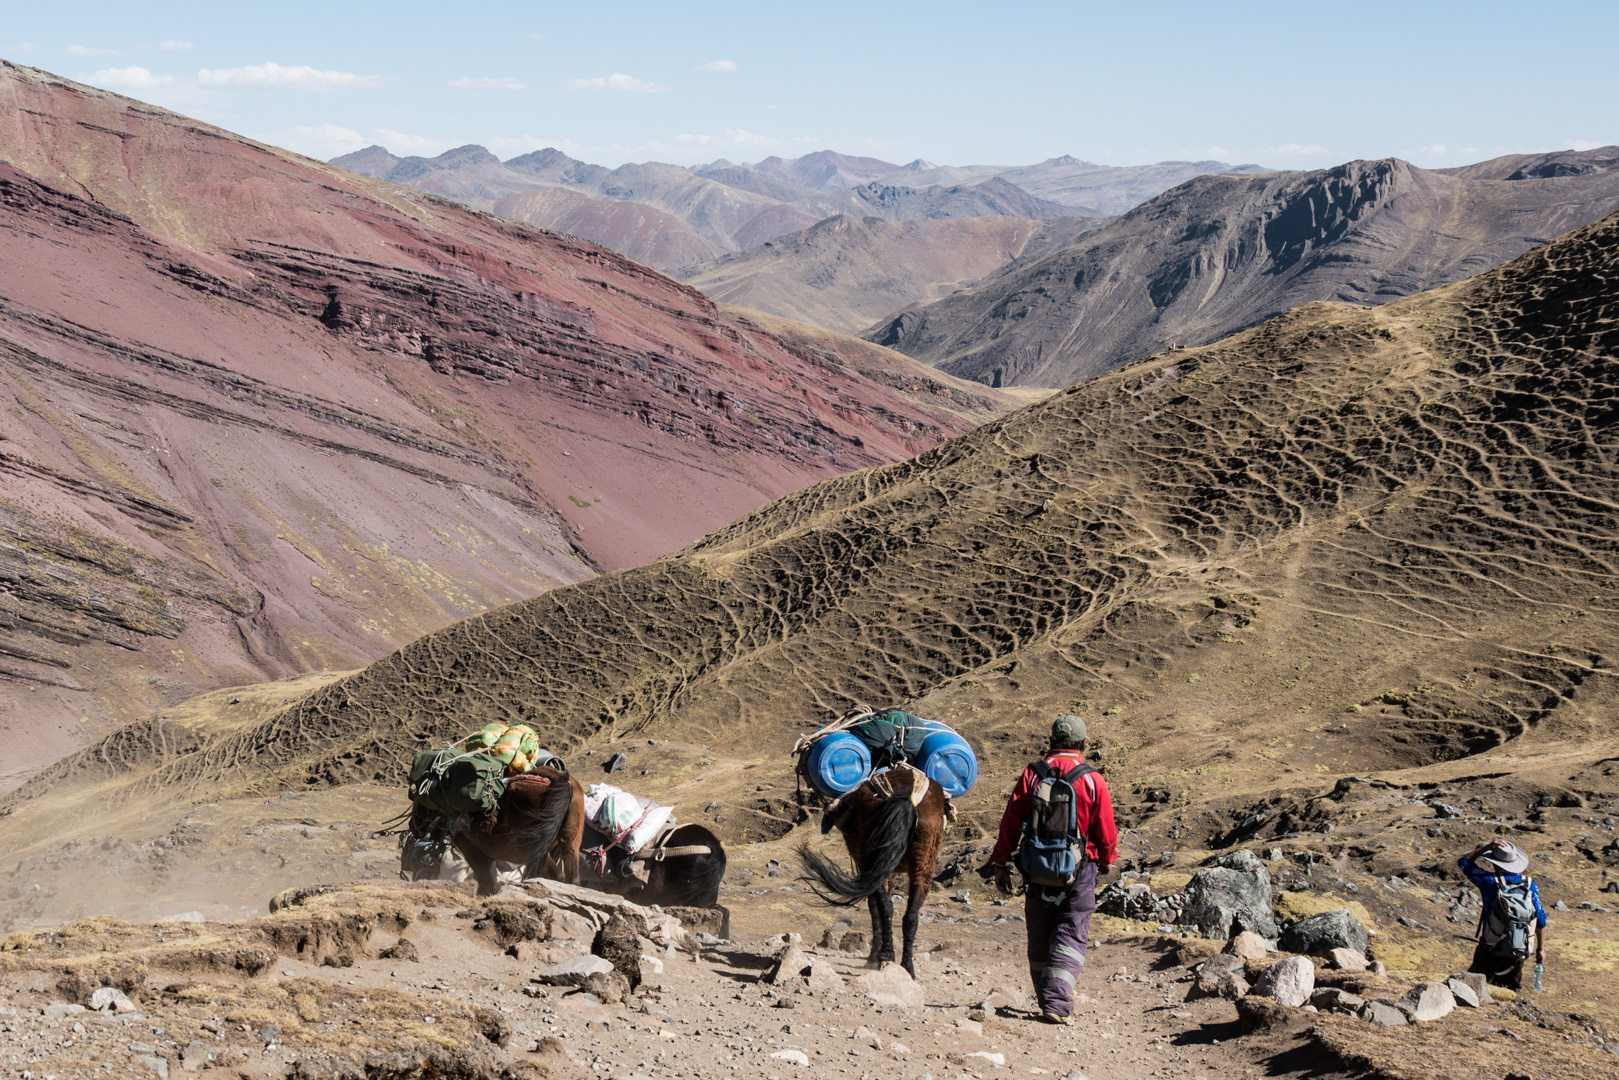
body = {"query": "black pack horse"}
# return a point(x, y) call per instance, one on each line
point(682, 867)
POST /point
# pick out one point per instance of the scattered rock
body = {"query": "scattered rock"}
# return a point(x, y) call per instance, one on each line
point(1127, 901)
point(1463, 993)
point(57, 1010)
point(1560, 906)
point(1335, 999)
point(403, 949)
point(571, 926)
point(573, 972)
point(111, 999)
point(615, 763)
point(1347, 959)
point(792, 963)
point(196, 1055)
point(1220, 976)
point(792, 1057)
point(869, 1037)
point(1247, 946)
point(159, 1066)
point(610, 987)
point(854, 941)
point(1236, 889)
point(1256, 1013)
point(1428, 1001)
point(891, 985)
point(898, 1049)
point(1320, 934)
point(998, 1060)
point(1287, 981)
point(1474, 982)
point(1382, 1014)
point(619, 943)
point(971, 1027)
point(1378, 968)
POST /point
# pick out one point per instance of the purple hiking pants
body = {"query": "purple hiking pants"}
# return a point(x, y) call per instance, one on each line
point(1059, 934)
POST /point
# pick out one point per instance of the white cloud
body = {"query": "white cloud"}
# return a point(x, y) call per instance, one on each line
point(400, 143)
point(1217, 151)
point(318, 140)
point(617, 82)
point(488, 84)
point(129, 78)
point(1583, 144)
point(81, 50)
point(1436, 150)
point(25, 47)
point(176, 46)
point(732, 137)
point(717, 65)
point(536, 37)
point(300, 77)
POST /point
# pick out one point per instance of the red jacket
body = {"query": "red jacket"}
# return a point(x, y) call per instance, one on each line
point(1095, 810)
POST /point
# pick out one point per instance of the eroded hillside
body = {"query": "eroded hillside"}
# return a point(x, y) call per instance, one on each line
point(259, 416)
point(1350, 540)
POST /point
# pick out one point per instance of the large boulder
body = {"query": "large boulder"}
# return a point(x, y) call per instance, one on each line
point(1247, 946)
point(1348, 959)
point(1231, 896)
point(891, 985)
point(1382, 1014)
point(1427, 1001)
point(1219, 976)
point(1320, 934)
point(1288, 981)
point(1474, 982)
point(1336, 999)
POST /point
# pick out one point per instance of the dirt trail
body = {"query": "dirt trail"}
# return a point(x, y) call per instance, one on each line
point(710, 1014)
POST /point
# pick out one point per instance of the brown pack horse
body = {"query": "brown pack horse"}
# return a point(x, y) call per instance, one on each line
point(537, 826)
point(886, 831)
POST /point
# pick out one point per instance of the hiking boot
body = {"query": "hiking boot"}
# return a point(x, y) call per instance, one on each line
point(1053, 1018)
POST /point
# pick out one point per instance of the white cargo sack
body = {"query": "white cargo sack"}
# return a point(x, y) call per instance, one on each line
point(629, 821)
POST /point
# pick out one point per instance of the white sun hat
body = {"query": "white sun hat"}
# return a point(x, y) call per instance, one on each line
point(1504, 856)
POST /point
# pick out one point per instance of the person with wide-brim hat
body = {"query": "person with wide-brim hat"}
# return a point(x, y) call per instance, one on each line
point(1492, 866)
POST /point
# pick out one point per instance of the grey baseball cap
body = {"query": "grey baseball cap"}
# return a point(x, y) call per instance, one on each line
point(1069, 730)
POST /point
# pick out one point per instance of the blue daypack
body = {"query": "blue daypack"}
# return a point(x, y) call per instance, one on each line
point(1053, 851)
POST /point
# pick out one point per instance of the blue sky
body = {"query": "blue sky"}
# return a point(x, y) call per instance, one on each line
point(1295, 85)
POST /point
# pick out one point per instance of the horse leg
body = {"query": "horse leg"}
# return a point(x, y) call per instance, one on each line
point(483, 869)
point(882, 928)
point(921, 882)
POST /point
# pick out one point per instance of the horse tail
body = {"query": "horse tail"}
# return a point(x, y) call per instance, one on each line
point(886, 841)
point(536, 826)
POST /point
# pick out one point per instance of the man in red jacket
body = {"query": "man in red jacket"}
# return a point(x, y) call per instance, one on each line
point(1059, 920)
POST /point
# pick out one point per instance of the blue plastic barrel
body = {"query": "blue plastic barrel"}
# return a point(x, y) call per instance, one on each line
point(947, 760)
point(838, 763)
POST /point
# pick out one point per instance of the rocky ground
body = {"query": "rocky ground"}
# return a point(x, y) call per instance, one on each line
point(427, 980)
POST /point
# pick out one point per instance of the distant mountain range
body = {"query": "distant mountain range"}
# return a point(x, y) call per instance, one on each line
point(669, 216)
point(1221, 253)
point(847, 272)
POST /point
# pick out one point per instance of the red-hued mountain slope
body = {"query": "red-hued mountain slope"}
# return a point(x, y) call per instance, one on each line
point(259, 416)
